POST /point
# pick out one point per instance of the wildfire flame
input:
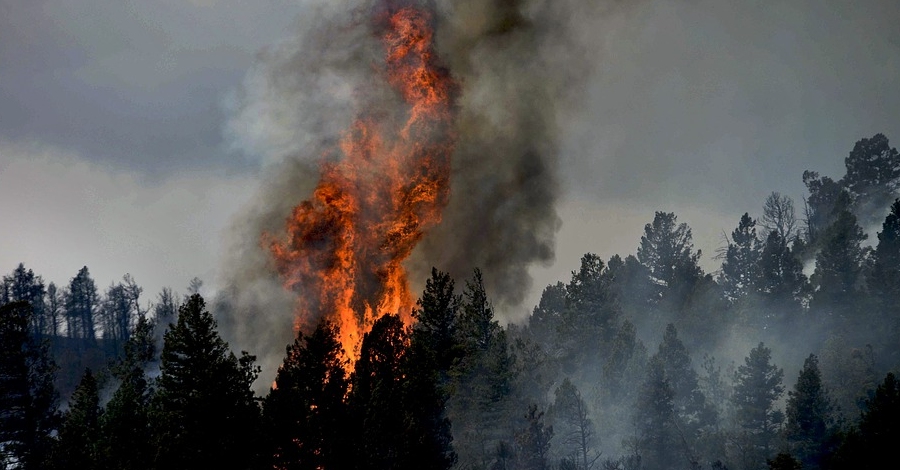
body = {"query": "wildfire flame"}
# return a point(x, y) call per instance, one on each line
point(345, 246)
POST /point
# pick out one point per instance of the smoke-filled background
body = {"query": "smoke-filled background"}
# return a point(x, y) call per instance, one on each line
point(164, 137)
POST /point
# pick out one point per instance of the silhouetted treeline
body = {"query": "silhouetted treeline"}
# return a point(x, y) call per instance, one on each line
point(784, 358)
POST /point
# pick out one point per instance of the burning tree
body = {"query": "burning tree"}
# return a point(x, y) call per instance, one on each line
point(379, 191)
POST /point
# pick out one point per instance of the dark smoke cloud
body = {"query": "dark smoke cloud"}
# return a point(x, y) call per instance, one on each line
point(523, 67)
point(519, 64)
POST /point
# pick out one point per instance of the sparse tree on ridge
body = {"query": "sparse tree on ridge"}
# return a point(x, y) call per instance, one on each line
point(82, 302)
point(779, 216)
point(667, 251)
point(739, 268)
point(872, 178)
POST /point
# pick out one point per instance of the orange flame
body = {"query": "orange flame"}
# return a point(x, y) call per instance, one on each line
point(345, 247)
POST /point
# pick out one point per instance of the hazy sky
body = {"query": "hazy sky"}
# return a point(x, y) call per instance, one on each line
point(115, 154)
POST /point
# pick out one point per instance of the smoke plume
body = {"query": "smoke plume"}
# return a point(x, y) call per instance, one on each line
point(519, 65)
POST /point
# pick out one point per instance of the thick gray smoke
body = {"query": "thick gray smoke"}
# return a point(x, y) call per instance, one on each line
point(520, 66)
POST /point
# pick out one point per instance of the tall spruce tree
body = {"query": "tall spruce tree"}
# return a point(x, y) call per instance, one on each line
point(667, 253)
point(304, 413)
point(576, 435)
point(82, 303)
point(376, 399)
point(837, 275)
point(434, 349)
point(781, 284)
point(204, 412)
point(79, 437)
point(809, 416)
point(739, 268)
point(757, 389)
point(125, 424)
point(481, 380)
point(884, 285)
point(657, 440)
point(872, 178)
point(691, 408)
point(28, 413)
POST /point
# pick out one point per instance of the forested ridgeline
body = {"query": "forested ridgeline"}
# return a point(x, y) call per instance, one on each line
point(783, 358)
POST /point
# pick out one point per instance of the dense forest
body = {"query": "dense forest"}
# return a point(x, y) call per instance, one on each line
point(783, 358)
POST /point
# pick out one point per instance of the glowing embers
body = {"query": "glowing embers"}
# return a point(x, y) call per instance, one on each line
point(344, 247)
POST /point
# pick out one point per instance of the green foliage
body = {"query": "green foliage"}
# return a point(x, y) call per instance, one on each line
point(480, 403)
point(435, 348)
point(125, 424)
point(809, 415)
point(79, 437)
point(657, 440)
point(689, 402)
point(784, 461)
point(838, 268)
point(781, 284)
point(82, 302)
point(739, 268)
point(204, 412)
point(873, 176)
point(533, 442)
point(576, 442)
point(304, 413)
point(666, 251)
point(757, 389)
point(377, 396)
point(28, 412)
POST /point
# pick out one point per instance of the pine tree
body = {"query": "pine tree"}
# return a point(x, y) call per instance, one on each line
point(573, 426)
point(204, 412)
point(434, 349)
point(23, 286)
point(481, 381)
point(125, 424)
point(757, 388)
point(879, 428)
point(838, 268)
point(82, 302)
point(873, 177)
point(657, 441)
point(304, 413)
point(739, 268)
point(809, 415)
point(376, 398)
point(781, 284)
point(533, 442)
point(28, 412)
point(592, 315)
point(79, 437)
point(689, 402)
point(884, 282)
point(827, 198)
point(666, 251)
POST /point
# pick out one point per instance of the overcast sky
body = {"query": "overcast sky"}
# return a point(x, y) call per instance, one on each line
point(114, 150)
